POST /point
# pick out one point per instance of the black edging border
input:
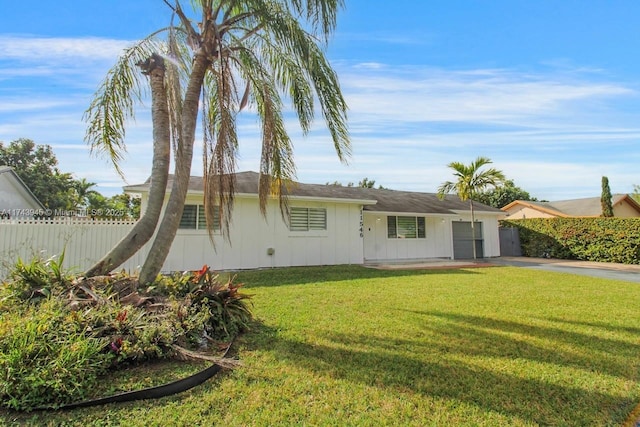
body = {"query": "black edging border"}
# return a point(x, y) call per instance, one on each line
point(156, 392)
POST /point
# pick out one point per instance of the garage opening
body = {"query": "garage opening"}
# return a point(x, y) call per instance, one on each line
point(463, 240)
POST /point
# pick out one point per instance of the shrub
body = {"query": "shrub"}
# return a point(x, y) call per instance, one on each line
point(590, 239)
point(211, 308)
point(38, 278)
point(58, 334)
point(46, 357)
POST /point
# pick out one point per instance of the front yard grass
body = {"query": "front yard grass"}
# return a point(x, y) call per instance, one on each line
point(349, 345)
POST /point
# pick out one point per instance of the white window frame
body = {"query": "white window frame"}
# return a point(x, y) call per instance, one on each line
point(308, 221)
point(200, 220)
point(406, 227)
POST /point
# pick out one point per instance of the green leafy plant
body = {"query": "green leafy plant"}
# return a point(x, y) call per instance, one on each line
point(46, 357)
point(213, 309)
point(37, 279)
point(58, 334)
point(589, 239)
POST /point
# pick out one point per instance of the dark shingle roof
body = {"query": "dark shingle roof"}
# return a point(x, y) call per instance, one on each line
point(381, 200)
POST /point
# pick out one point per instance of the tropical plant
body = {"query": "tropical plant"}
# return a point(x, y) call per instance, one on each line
point(84, 192)
point(39, 278)
point(226, 56)
point(46, 357)
point(471, 180)
point(59, 333)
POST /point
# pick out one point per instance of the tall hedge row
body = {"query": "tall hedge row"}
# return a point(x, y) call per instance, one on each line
point(589, 239)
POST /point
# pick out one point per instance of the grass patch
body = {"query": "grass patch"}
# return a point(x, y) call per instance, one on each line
point(353, 346)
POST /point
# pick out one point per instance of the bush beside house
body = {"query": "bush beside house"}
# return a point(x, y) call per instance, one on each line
point(588, 239)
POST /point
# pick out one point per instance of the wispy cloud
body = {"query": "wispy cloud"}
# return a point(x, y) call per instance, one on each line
point(406, 123)
point(50, 49)
point(486, 96)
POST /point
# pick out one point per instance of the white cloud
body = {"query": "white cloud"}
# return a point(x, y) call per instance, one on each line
point(554, 133)
point(487, 96)
point(50, 49)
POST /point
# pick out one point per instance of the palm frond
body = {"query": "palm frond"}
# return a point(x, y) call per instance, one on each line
point(113, 102)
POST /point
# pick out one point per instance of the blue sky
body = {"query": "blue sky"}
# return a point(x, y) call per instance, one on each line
point(547, 89)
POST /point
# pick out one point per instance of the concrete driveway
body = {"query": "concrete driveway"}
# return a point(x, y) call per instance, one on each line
point(605, 270)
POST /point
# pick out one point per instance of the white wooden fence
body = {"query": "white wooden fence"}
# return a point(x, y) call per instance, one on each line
point(84, 241)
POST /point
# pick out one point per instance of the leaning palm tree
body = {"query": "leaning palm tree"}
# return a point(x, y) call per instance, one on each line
point(227, 55)
point(470, 182)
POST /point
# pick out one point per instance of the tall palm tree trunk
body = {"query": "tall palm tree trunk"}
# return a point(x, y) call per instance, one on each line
point(473, 231)
point(184, 156)
point(145, 227)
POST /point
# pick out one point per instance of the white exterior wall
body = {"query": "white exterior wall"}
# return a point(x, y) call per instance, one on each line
point(251, 236)
point(14, 198)
point(378, 247)
point(437, 244)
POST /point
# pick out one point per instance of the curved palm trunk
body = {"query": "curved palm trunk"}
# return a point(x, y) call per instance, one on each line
point(184, 156)
point(145, 227)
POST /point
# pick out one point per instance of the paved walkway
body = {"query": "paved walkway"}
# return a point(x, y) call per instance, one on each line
point(604, 270)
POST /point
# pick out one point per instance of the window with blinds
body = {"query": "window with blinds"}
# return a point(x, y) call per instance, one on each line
point(406, 227)
point(193, 218)
point(307, 219)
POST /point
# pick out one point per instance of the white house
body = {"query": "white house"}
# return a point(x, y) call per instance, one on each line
point(327, 225)
point(16, 200)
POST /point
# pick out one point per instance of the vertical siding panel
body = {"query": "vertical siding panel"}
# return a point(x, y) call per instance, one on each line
point(84, 241)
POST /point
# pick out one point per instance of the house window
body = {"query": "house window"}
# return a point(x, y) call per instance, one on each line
point(406, 227)
point(307, 219)
point(193, 218)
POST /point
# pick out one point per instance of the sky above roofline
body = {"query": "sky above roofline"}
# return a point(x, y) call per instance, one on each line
point(548, 90)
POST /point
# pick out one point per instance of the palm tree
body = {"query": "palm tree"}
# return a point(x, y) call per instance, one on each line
point(470, 182)
point(104, 120)
point(226, 56)
point(83, 191)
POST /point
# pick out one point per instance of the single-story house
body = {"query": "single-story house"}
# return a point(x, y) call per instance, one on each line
point(16, 199)
point(327, 225)
point(624, 206)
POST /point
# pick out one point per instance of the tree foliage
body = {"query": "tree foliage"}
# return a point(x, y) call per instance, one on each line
point(636, 193)
point(364, 183)
point(470, 181)
point(59, 191)
point(605, 199)
point(502, 195)
point(224, 56)
point(37, 166)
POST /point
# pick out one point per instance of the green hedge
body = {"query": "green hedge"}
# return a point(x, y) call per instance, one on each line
point(589, 239)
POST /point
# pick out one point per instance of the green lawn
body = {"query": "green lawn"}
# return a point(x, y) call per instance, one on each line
point(356, 346)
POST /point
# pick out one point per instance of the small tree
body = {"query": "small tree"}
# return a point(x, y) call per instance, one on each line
point(471, 181)
point(605, 199)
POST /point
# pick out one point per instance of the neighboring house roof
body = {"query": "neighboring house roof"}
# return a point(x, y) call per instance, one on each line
point(587, 207)
point(20, 186)
point(375, 200)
